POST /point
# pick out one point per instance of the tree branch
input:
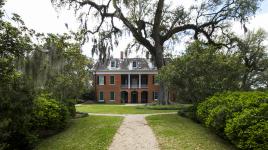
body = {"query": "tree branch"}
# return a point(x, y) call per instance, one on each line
point(157, 20)
point(138, 36)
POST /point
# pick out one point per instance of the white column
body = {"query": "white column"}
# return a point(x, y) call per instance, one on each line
point(139, 80)
point(129, 81)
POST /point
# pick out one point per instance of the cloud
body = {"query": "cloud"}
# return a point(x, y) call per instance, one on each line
point(40, 15)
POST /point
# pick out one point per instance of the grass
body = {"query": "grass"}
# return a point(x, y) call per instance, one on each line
point(175, 132)
point(121, 109)
point(93, 132)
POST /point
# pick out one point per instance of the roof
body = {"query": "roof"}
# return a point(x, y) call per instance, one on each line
point(126, 64)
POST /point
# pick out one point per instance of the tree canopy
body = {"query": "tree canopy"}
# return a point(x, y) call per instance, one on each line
point(38, 73)
point(205, 69)
point(154, 23)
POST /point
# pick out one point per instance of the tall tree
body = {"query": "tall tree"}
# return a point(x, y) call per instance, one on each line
point(154, 23)
point(202, 71)
point(16, 92)
point(254, 57)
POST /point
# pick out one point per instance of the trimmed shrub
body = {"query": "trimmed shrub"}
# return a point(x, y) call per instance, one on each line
point(249, 129)
point(239, 116)
point(216, 110)
point(49, 114)
point(70, 104)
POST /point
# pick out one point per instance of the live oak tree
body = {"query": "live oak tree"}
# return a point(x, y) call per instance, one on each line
point(200, 72)
point(254, 58)
point(155, 23)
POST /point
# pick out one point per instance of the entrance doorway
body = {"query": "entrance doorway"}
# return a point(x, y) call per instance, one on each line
point(144, 97)
point(124, 97)
point(134, 97)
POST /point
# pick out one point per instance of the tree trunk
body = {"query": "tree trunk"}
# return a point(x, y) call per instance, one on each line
point(160, 62)
point(245, 85)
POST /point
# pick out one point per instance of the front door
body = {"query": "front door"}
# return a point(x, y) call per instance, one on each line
point(134, 97)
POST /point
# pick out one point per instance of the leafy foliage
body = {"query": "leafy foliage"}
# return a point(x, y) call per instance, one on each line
point(59, 67)
point(201, 72)
point(25, 69)
point(238, 116)
point(16, 92)
point(156, 24)
point(49, 114)
point(254, 58)
point(249, 129)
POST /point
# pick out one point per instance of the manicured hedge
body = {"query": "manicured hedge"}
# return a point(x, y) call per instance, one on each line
point(240, 117)
point(249, 129)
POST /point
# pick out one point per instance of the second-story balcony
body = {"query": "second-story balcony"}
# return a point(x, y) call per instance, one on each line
point(134, 81)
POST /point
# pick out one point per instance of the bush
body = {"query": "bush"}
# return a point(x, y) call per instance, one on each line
point(238, 117)
point(16, 106)
point(216, 110)
point(249, 129)
point(70, 104)
point(49, 114)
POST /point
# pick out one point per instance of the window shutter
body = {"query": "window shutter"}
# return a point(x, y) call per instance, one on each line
point(104, 80)
point(98, 78)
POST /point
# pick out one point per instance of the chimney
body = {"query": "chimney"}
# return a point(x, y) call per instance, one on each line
point(122, 55)
point(147, 55)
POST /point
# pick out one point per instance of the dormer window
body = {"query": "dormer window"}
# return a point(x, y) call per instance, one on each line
point(134, 64)
point(112, 64)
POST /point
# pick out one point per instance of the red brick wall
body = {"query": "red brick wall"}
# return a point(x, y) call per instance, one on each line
point(107, 88)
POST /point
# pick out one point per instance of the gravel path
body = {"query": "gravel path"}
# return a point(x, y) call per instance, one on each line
point(134, 134)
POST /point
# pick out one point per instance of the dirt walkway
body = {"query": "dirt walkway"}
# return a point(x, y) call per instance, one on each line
point(134, 134)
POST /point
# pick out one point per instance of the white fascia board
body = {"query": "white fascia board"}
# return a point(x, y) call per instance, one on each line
point(126, 72)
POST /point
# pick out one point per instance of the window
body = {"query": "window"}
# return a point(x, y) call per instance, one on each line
point(134, 64)
point(112, 96)
point(101, 80)
point(155, 95)
point(101, 97)
point(111, 79)
point(112, 64)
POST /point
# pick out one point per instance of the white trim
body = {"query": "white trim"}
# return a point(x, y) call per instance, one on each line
point(125, 72)
point(128, 81)
point(140, 81)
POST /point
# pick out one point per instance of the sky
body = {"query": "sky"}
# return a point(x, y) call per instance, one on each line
point(41, 16)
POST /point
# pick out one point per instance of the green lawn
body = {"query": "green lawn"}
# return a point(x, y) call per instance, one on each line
point(121, 109)
point(175, 132)
point(93, 132)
